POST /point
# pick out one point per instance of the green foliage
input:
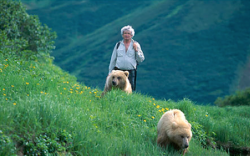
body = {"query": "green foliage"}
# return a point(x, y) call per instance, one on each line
point(22, 34)
point(240, 98)
point(7, 146)
point(44, 144)
point(200, 134)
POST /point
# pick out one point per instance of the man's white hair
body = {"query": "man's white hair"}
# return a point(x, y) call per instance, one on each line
point(128, 28)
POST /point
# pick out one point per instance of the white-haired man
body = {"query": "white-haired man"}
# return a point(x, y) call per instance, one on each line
point(126, 55)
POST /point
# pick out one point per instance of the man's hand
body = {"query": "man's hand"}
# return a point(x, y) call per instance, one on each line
point(135, 46)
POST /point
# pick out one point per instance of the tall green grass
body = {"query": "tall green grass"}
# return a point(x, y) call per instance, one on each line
point(44, 110)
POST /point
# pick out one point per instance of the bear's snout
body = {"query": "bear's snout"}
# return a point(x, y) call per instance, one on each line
point(185, 143)
point(114, 83)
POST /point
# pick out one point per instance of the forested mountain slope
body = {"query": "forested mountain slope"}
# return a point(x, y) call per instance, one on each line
point(193, 49)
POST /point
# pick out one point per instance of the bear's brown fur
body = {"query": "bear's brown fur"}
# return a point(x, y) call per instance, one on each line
point(174, 129)
point(117, 79)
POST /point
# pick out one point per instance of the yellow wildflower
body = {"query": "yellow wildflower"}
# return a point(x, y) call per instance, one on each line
point(153, 117)
point(144, 120)
point(14, 103)
point(157, 106)
point(138, 115)
point(27, 83)
point(12, 85)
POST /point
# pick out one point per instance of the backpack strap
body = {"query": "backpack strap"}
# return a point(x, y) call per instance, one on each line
point(118, 44)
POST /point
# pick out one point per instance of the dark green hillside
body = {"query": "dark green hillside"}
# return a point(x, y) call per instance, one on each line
point(193, 49)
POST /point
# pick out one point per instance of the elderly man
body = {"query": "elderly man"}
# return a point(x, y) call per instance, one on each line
point(126, 55)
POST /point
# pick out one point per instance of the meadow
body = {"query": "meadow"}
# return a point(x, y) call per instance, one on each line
point(46, 111)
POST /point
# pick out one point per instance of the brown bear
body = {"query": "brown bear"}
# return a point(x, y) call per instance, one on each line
point(117, 79)
point(174, 129)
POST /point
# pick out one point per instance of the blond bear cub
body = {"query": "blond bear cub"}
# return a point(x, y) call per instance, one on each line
point(174, 129)
point(118, 79)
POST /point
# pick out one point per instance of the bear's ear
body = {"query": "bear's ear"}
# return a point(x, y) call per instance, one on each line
point(174, 125)
point(126, 73)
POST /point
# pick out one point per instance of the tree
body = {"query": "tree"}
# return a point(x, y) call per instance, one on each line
point(22, 34)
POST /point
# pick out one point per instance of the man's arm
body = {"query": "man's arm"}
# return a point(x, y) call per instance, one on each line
point(112, 60)
point(138, 52)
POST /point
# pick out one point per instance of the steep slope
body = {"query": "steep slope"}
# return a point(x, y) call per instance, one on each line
point(193, 49)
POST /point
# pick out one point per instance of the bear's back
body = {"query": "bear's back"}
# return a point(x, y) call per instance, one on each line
point(170, 117)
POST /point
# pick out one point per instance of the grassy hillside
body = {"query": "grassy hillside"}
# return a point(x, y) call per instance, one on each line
point(193, 49)
point(45, 111)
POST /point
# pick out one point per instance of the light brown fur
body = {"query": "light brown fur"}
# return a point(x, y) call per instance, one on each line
point(173, 128)
point(117, 79)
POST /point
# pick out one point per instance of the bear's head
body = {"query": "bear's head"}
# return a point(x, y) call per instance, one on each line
point(117, 79)
point(182, 134)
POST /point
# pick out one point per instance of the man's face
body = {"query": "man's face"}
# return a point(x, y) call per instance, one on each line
point(127, 35)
